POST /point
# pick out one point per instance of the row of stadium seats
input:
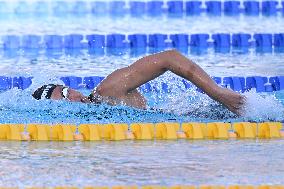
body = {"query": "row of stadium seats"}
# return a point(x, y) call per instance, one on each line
point(151, 8)
point(141, 131)
point(239, 84)
point(99, 41)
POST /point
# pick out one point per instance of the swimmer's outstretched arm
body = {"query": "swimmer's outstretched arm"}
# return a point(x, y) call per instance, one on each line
point(124, 80)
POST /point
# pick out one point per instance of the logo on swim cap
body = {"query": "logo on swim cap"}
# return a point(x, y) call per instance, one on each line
point(44, 91)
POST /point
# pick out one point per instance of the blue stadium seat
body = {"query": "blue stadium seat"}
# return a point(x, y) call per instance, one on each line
point(157, 40)
point(235, 83)
point(72, 81)
point(221, 40)
point(199, 40)
point(11, 42)
point(256, 82)
point(137, 8)
point(175, 7)
point(138, 40)
point(251, 7)
point(117, 8)
point(22, 82)
point(79, 7)
point(99, 7)
point(92, 82)
point(96, 41)
point(277, 82)
point(116, 41)
point(269, 8)
point(232, 7)
point(263, 40)
point(193, 7)
point(213, 7)
point(31, 41)
point(5, 83)
point(73, 41)
point(240, 40)
point(53, 41)
point(279, 40)
point(154, 8)
point(179, 40)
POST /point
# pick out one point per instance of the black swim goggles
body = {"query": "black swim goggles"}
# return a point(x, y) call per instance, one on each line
point(65, 92)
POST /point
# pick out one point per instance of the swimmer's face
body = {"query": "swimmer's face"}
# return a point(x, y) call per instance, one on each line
point(69, 94)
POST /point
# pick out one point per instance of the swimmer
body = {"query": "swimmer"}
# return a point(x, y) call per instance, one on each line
point(121, 85)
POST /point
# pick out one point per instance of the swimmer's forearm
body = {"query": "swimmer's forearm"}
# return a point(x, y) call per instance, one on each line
point(149, 67)
point(189, 70)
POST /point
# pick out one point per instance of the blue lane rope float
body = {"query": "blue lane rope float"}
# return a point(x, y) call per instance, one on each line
point(262, 42)
point(239, 84)
point(141, 131)
point(139, 8)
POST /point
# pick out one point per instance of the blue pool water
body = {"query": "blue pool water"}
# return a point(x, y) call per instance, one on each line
point(183, 162)
point(137, 162)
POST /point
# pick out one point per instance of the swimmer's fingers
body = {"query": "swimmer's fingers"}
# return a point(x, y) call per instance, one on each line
point(243, 99)
point(240, 111)
point(239, 107)
point(242, 105)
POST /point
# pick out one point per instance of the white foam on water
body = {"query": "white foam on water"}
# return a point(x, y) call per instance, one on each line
point(263, 107)
point(258, 107)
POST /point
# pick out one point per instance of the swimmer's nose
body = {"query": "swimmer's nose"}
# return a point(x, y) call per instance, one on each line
point(75, 96)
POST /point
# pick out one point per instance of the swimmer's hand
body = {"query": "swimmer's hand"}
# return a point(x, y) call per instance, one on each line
point(232, 100)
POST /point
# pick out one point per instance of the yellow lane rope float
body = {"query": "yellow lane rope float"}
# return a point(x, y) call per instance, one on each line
point(141, 131)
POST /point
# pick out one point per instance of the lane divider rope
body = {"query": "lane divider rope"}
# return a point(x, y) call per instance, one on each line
point(239, 84)
point(139, 42)
point(141, 131)
point(177, 8)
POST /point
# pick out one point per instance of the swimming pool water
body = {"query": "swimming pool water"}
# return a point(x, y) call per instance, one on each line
point(183, 162)
point(215, 162)
point(104, 25)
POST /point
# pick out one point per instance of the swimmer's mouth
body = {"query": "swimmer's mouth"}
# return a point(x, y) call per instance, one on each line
point(85, 100)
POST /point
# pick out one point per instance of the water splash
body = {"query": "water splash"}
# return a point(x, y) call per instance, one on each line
point(263, 107)
point(194, 104)
point(18, 106)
